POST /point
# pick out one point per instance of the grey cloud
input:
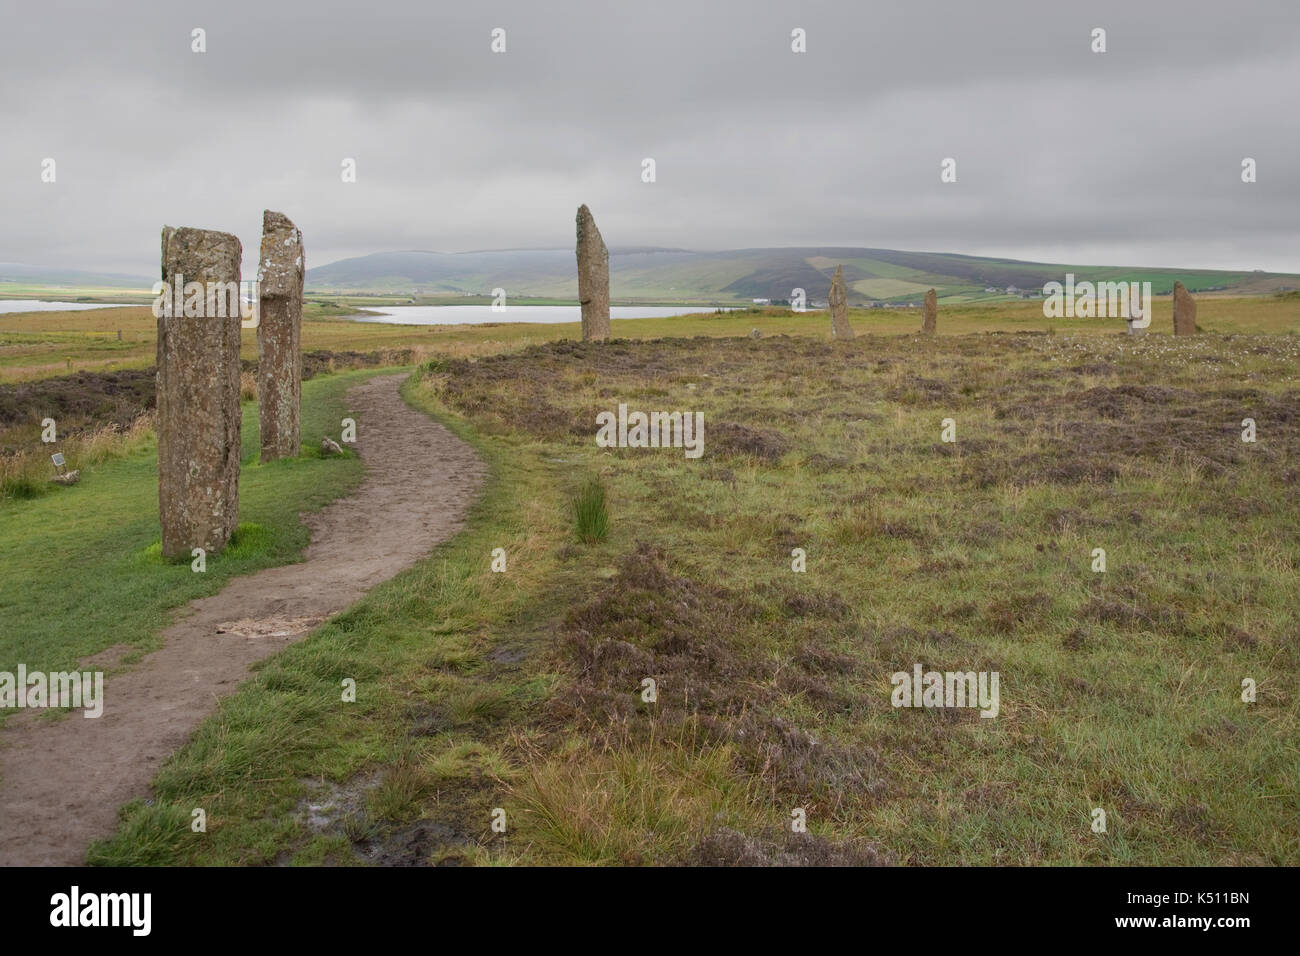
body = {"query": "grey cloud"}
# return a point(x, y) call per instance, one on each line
point(1132, 156)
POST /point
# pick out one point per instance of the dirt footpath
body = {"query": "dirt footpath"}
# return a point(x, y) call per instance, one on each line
point(61, 783)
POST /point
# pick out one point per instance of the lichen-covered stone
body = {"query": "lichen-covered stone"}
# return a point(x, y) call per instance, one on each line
point(280, 271)
point(1184, 311)
point(839, 300)
point(198, 396)
point(593, 278)
point(930, 315)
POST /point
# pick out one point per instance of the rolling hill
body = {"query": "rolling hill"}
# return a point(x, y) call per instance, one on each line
point(645, 275)
point(19, 274)
point(642, 275)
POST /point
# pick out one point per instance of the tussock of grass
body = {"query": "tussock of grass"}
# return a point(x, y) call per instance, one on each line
point(591, 515)
point(23, 487)
point(398, 797)
point(147, 838)
point(630, 805)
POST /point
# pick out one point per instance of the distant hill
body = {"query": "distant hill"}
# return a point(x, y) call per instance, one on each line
point(16, 273)
point(645, 274)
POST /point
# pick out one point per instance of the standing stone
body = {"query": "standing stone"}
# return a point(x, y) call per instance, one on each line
point(198, 391)
point(1184, 311)
point(839, 299)
point(930, 319)
point(593, 278)
point(279, 336)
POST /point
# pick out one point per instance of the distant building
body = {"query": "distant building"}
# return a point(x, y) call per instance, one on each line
point(762, 301)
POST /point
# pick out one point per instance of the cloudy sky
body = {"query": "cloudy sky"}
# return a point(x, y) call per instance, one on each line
point(1130, 157)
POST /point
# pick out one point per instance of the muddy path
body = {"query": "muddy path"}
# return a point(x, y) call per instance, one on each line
point(62, 782)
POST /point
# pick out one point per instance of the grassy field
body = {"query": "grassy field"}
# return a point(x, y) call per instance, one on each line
point(81, 568)
point(38, 345)
point(1120, 690)
point(87, 293)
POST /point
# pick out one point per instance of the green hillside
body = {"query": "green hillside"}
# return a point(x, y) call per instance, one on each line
point(885, 276)
point(642, 275)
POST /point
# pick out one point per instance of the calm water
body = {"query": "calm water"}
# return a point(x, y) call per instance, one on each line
point(480, 314)
point(40, 305)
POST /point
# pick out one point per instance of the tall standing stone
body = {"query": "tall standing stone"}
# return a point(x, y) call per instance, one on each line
point(198, 391)
point(839, 299)
point(1184, 311)
point(930, 319)
point(280, 273)
point(593, 278)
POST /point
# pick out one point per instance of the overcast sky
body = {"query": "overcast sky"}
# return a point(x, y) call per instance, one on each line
point(1130, 157)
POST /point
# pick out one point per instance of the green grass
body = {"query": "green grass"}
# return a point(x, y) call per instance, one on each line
point(23, 488)
point(41, 345)
point(590, 512)
point(523, 690)
point(81, 567)
point(435, 702)
point(1120, 690)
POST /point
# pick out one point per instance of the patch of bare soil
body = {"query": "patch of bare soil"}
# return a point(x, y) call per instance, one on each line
point(61, 782)
point(86, 400)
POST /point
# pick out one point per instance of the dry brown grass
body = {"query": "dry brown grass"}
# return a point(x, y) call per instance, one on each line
point(26, 472)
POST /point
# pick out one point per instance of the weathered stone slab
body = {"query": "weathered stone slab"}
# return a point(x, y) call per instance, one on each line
point(930, 315)
point(198, 391)
point(593, 278)
point(280, 271)
point(839, 300)
point(1184, 311)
